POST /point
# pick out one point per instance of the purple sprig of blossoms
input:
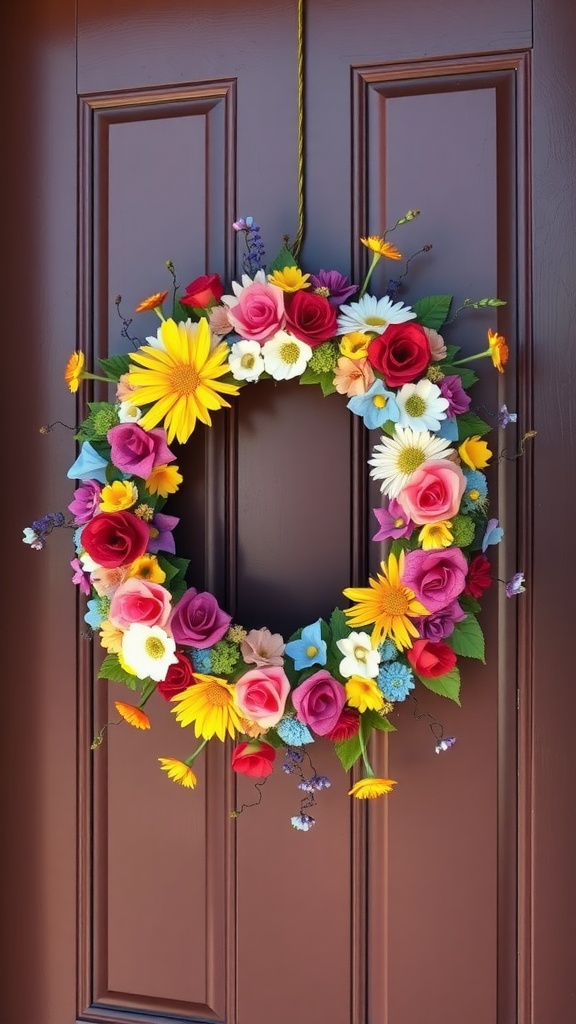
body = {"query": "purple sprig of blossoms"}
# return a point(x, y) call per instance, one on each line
point(253, 258)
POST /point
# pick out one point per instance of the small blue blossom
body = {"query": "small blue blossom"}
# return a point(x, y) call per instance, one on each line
point(94, 614)
point(315, 783)
point(445, 743)
point(448, 429)
point(88, 466)
point(476, 491)
point(395, 681)
point(310, 649)
point(388, 651)
point(303, 822)
point(515, 586)
point(493, 534)
point(201, 660)
point(376, 406)
point(293, 732)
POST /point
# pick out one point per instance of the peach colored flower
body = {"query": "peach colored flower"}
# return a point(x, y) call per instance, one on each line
point(437, 344)
point(124, 389)
point(107, 581)
point(353, 376)
point(261, 647)
point(219, 322)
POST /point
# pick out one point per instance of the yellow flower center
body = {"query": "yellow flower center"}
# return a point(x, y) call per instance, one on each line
point(311, 651)
point(289, 352)
point(474, 494)
point(410, 458)
point(360, 653)
point(398, 523)
point(379, 401)
point(154, 647)
point(247, 361)
point(184, 379)
point(394, 602)
point(375, 321)
point(415, 406)
point(216, 696)
point(325, 292)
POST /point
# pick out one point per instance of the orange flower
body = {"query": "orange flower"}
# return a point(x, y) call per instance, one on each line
point(498, 350)
point(367, 789)
point(353, 376)
point(73, 372)
point(383, 248)
point(152, 302)
point(133, 715)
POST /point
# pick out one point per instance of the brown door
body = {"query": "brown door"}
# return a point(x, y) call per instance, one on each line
point(136, 132)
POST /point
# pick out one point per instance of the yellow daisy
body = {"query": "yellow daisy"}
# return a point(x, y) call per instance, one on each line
point(164, 480)
point(209, 703)
point(386, 603)
point(291, 279)
point(147, 568)
point(436, 535)
point(475, 452)
point(498, 350)
point(180, 382)
point(380, 246)
point(133, 715)
point(74, 371)
point(119, 495)
point(367, 789)
point(178, 771)
point(363, 694)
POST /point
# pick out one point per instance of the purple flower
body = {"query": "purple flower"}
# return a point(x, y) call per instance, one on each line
point(197, 620)
point(440, 624)
point(161, 538)
point(136, 451)
point(86, 502)
point(445, 743)
point(452, 390)
point(515, 586)
point(437, 577)
point(393, 521)
point(302, 822)
point(80, 577)
point(335, 283)
point(505, 417)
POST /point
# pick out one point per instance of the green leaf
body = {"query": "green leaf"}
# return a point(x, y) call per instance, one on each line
point(327, 384)
point(348, 751)
point(467, 639)
point(433, 310)
point(379, 722)
point(174, 566)
point(469, 424)
point(325, 378)
point(284, 259)
point(115, 366)
point(112, 669)
point(469, 603)
point(339, 627)
point(446, 686)
point(467, 376)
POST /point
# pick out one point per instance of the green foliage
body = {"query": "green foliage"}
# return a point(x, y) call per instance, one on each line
point(469, 603)
point(322, 377)
point(348, 751)
point(467, 640)
point(112, 669)
point(433, 310)
point(95, 427)
point(115, 366)
point(470, 424)
point(285, 258)
point(376, 721)
point(446, 686)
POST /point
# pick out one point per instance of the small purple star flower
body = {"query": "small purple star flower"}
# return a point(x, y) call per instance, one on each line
point(515, 586)
point(335, 284)
point(505, 417)
point(303, 822)
point(445, 743)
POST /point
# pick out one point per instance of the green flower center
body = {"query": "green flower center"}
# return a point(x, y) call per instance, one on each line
point(410, 458)
point(247, 361)
point(154, 647)
point(289, 352)
point(103, 420)
point(415, 406)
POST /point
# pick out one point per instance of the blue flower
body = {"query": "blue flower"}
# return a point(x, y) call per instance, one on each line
point(493, 535)
point(376, 406)
point(448, 429)
point(88, 466)
point(395, 680)
point(94, 614)
point(310, 649)
point(316, 782)
point(201, 660)
point(445, 743)
point(476, 492)
point(387, 651)
point(303, 822)
point(293, 732)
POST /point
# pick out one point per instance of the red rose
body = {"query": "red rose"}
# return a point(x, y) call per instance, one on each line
point(310, 318)
point(203, 291)
point(253, 758)
point(346, 726)
point(178, 677)
point(401, 354)
point(479, 577)
point(431, 659)
point(113, 539)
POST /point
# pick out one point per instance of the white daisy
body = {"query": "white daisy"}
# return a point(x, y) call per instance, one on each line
point(421, 405)
point(398, 457)
point(285, 356)
point(245, 360)
point(148, 651)
point(371, 315)
point(360, 658)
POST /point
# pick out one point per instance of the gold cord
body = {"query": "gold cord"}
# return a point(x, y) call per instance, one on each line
point(300, 144)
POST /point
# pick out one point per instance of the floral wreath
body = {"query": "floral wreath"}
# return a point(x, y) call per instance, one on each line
point(337, 678)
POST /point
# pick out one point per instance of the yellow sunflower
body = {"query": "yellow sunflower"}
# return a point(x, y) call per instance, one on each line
point(386, 603)
point(74, 371)
point(209, 703)
point(180, 382)
point(178, 771)
point(367, 789)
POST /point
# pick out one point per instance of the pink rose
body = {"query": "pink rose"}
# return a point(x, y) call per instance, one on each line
point(140, 601)
point(319, 701)
point(261, 694)
point(198, 620)
point(434, 492)
point(436, 577)
point(136, 451)
point(259, 313)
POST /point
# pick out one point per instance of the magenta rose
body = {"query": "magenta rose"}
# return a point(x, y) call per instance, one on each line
point(311, 318)
point(136, 451)
point(437, 577)
point(113, 539)
point(259, 313)
point(203, 291)
point(261, 693)
point(140, 601)
point(178, 677)
point(319, 701)
point(401, 354)
point(434, 492)
point(86, 502)
point(197, 620)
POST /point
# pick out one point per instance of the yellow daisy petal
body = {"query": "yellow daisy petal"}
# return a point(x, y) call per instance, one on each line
point(133, 715)
point(367, 789)
point(178, 771)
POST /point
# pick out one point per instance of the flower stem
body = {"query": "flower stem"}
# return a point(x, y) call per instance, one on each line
point(94, 376)
point(190, 760)
point(470, 359)
point(367, 765)
point(375, 258)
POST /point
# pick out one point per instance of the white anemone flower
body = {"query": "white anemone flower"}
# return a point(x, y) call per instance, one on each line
point(360, 658)
point(245, 360)
point(285, 356)
point(398, 457)
point(421, 405)
point(148, 651)
point(129, 413)
point(87, 562)
point(372, 316)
